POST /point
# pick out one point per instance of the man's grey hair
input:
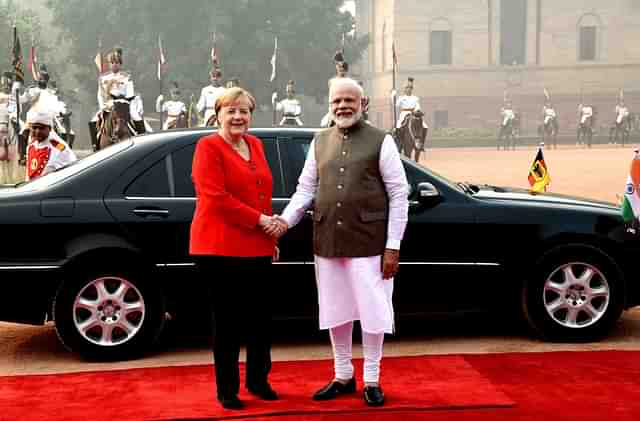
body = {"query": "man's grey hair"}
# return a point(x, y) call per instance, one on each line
point(340, 82)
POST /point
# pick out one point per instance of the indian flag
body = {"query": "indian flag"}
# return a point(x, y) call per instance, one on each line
point(631, 202)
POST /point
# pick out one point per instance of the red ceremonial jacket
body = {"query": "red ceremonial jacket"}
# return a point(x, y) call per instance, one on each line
point(231, 194)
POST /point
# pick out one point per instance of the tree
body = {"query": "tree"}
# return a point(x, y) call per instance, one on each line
point(308, 31)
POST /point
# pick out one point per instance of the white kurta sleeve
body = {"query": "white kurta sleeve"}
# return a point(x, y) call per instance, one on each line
point(397, 187)
point(306, 190)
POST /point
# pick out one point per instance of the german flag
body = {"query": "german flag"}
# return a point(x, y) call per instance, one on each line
point(539, 177)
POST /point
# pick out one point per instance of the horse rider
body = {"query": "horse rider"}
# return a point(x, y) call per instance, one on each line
point(172, 108)
point(208, 96)
point(622, 112)
point(290, 107)
point(8, 98)
point(365, 103)
point(115, 85)
point(408, 104)
point(549, 114)
point(46, 152)
point(507, 114)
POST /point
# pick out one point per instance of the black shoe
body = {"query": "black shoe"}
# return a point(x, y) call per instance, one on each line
point(373, 396)
point(334, 389)
point(264, 392)
point(230, 402)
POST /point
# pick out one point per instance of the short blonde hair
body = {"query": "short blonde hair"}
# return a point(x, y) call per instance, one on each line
point(231, 95)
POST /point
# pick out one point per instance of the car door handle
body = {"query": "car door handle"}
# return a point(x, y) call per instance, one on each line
point(144, 212)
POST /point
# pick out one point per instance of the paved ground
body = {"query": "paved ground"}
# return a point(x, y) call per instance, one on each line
point(597, 173)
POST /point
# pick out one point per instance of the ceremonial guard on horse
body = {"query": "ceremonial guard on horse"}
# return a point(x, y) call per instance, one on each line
point(411, 128)
point(586, 117)
point(175, 110)
point(208, 96)
point(116, 119)
point(508, 126)
point(290, 107)
point(622, 125)
point(549, 121)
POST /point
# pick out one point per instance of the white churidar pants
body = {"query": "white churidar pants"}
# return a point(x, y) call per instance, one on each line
point(341, 342)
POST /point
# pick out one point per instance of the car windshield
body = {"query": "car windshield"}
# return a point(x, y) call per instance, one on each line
point(74, 168)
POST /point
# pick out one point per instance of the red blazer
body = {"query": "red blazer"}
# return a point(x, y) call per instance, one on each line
point(231, 194)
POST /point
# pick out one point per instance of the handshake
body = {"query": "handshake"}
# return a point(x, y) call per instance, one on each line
point(274, 226)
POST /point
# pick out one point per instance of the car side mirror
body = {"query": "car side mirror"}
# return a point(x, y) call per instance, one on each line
point(427, 193)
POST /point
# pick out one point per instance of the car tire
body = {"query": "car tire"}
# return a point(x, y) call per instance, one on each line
point(575, 294)
point(108, 314)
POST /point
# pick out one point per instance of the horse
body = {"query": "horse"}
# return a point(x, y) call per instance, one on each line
point(115, 125)
point(9, 168)
point(180, 122)
point(508, 133)
point(620, 131)
point(412, 134)
point(585, 131)
point(550, 131)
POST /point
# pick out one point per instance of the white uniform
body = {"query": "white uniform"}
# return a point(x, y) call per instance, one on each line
point(549, 113)
point(406, 104)
point(621, 112)
point(173, 109)
point(507, 115)
point(586, 111)
point(48, 156)
point(290, 108)
point(352, 288)
point(207, 102)
point(119, 85)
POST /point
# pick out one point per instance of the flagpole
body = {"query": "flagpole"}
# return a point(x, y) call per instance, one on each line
point(393, 84)
point(16, 59)
point(274, 79)
point(160, 53)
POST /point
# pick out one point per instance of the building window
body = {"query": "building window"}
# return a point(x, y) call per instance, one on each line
point(513, 35)
point(440, 119)
point(440, 47)
point(588, 42)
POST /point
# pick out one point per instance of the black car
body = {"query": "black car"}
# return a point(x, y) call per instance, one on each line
point(101, 248)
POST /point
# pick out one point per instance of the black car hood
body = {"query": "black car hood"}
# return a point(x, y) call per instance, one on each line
point(487, 192)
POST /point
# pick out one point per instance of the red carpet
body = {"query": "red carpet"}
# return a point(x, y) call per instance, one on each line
point(410, 383)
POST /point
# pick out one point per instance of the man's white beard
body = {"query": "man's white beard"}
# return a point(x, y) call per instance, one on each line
point(346, 122)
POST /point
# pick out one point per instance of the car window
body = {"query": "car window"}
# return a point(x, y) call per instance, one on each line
point(296, 150)
point(182, 160)
point(154, 182)
point(273, 158)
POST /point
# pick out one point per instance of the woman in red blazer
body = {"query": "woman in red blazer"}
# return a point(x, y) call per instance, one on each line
point(234, 254)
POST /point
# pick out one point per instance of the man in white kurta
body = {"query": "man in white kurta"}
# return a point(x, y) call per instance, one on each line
point(354, 287)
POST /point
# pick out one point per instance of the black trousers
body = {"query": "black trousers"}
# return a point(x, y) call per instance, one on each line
point(239, 289)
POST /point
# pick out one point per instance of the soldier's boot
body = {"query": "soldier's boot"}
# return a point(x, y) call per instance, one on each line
point(139, 126)
point(93, 133)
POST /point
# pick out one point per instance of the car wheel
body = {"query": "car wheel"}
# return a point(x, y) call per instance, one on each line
point(108, 314)
point(576, 294)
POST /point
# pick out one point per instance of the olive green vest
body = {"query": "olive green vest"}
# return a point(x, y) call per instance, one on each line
point(351, 205)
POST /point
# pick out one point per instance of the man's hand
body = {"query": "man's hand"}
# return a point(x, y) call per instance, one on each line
point(276, 227)
point(390, 263)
